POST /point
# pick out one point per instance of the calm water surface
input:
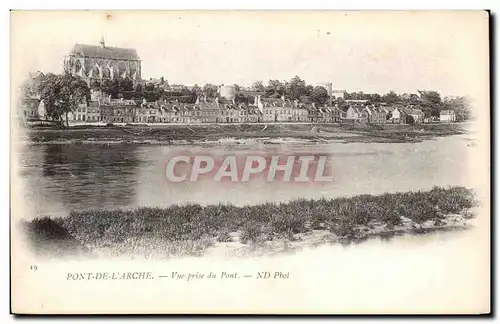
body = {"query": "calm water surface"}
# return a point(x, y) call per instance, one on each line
point(58, 178)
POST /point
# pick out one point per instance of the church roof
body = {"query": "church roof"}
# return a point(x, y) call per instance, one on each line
point(106, 52)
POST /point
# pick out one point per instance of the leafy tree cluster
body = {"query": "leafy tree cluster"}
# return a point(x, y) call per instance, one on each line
point(429, 101)
point(295, 89)
point(61, 94)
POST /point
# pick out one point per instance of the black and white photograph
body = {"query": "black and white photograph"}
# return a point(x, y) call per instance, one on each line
point(250, 162)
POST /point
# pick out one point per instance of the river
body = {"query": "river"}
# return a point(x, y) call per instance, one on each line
point(59, 178)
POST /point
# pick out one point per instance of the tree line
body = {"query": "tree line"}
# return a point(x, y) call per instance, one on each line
point(63, 93)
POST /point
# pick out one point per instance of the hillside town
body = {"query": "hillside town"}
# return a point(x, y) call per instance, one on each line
point(112, 91)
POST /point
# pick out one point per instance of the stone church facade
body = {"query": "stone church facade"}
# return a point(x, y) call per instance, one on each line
point(97, 63)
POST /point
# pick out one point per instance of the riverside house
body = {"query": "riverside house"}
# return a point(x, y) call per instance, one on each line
point(230, 111)
point(117, 110)
point(93, 111)
point(148, 112)
point(396, 114)
point(448, 116)
point(413, 115)
point(282, 110)
point(328, 114)
point(253, 114)
point(399, 114)
point(376, 115)
point(80, 113)
point(356, 113)
point(210, 110)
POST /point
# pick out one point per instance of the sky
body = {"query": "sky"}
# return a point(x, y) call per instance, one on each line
point(355, 51)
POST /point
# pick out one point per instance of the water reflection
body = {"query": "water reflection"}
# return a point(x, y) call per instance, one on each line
point(80, 176)
point(60, 178)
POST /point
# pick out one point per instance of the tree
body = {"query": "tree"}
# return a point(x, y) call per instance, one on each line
point(242, 99)
point(414, 99)
point(62, 94)
point(275, 87)
point(125, 84)
point(342, 104)
point(309, 90)
point(258, 86)
point(138, 91)
point(210, 90)
point(296, 88)
point(111, 88)
point(149, 87)
point(391, 97)
point(431, 102)
point(461, 106)
point(196, 90)
point(31, 87)
point(30, 93)
point(375, 98)
point(319, 95)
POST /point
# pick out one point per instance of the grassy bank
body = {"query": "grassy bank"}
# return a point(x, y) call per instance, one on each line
point(191, 229)
point(196, 133)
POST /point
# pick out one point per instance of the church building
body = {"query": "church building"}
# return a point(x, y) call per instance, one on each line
point(97, 63)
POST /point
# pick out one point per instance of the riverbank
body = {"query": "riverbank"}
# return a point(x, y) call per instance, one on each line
point(241, 133)
point(195, 230)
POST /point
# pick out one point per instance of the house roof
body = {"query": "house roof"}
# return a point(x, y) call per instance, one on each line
point(392, 107)
point(358, 110)
point(208, 105)
point(376, 109)
point(411, 110)
point(106, 52)
point(446, 112)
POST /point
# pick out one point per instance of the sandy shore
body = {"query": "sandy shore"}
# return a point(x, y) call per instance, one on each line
point(314, 238)
point(240, 134)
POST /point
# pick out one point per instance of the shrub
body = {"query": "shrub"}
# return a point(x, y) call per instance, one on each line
point(224, 236)
point(193, 222)
point(46, 228)
point(250, 233)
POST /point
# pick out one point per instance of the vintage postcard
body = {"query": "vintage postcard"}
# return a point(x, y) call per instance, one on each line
point(250, 162)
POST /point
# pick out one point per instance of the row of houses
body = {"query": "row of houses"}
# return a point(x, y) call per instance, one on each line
point(204, 110)
point(106, 110)
point(396, 114)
